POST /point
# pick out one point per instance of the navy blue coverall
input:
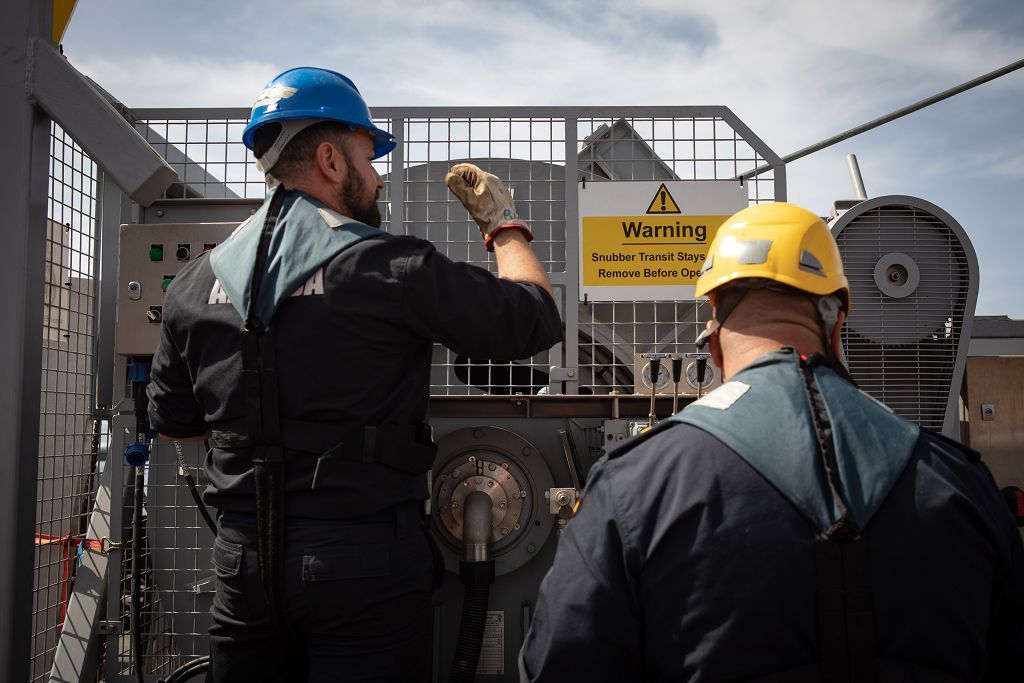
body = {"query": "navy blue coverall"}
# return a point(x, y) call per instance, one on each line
point(353, 349)
point(691, 556)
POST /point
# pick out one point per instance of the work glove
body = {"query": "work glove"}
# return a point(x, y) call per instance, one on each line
point(487, 200)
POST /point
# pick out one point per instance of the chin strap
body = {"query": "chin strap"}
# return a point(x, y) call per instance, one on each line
point(727, 302)
point(828, 309)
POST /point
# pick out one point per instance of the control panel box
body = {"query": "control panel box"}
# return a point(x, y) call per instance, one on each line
point(149, 258)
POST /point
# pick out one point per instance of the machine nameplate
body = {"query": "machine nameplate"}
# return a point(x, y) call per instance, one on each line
point(492, 651)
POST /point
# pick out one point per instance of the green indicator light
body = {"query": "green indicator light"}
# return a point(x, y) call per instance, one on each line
point(166, 283)
point(156, 252)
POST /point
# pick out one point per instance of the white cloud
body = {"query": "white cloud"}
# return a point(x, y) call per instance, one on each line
point(173, 81)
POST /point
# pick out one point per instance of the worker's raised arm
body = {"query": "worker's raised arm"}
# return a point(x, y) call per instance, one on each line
point(490, 204)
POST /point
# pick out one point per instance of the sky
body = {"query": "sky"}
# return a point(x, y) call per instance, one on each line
point(795, 71)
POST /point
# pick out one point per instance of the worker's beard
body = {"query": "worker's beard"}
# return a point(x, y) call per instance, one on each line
point(362, 205)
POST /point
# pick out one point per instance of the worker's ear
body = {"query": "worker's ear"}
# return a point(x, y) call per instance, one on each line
point(330, 163)
point(715, 346)
point(837, 336)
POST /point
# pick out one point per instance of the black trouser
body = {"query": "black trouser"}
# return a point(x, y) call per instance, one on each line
point(357, 596)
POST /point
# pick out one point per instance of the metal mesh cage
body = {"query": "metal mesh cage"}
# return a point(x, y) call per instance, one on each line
point(69, 437)
point(541, 154)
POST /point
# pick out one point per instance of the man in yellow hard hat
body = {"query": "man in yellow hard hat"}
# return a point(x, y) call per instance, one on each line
point(785, 527)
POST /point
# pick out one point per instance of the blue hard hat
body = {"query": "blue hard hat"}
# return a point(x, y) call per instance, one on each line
point(309, 92)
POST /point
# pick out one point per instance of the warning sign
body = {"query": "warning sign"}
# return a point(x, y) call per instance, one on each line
point(663, 202)
point(647, 241)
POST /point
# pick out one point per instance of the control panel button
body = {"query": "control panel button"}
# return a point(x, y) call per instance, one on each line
point(156, 252)
point(155, 314)
point(183, 252)
point(166, 282)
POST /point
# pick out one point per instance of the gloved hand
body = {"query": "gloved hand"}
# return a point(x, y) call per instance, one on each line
point(487, 200)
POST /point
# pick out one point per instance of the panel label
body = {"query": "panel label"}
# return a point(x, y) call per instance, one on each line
point(492, 651)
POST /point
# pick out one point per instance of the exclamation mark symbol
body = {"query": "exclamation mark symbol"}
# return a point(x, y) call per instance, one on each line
point(663, 194)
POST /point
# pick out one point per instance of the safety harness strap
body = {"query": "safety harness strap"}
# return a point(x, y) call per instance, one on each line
point(408, 448)
point(263, 416)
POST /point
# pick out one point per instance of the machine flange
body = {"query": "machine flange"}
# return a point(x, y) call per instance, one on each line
point(511, 471)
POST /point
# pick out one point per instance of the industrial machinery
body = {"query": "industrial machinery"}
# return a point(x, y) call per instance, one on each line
point(914, 280)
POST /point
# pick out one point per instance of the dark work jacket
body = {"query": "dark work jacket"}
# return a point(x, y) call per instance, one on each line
point(684, 563)
point(353, 347)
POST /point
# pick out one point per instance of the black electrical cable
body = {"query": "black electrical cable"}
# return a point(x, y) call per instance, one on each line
point(187, 670)
point(199, 502)
point(192, 488)
point(136, 587)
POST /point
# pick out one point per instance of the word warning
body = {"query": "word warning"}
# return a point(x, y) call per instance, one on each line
point(647, 241)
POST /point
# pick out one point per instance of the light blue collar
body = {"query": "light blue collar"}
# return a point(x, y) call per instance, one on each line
point(307, 235)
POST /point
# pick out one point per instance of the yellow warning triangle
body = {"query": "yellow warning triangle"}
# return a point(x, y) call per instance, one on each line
point(663, 202)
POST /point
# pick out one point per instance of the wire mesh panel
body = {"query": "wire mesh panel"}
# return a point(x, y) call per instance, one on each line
point(528, 154)
point(69, 436)
point(205, 149)
point(175, 573)
point(700, 146)
point(207, 154)
point(534, 151)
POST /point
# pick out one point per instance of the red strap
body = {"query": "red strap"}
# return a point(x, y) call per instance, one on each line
point(1020, 502)
point(525, 230)
point(96, 545)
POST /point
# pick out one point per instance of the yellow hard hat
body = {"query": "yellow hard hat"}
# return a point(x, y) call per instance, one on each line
point(779, 242)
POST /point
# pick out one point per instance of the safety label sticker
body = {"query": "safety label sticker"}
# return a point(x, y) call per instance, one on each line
point(492, 651)
point(647, 240)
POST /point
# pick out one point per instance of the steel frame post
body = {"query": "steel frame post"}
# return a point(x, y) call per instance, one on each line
point(397, 178)
point(25, 139)
point(111, 215)
point(571, 284)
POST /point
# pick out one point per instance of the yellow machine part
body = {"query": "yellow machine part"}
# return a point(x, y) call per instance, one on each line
point(62, 11)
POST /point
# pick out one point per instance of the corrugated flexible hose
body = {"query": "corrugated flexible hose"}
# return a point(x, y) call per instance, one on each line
point(477, 575)
point(471, 633)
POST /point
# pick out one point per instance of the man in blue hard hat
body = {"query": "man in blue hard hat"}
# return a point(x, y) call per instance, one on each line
point(786, 527)
point(301, 346)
